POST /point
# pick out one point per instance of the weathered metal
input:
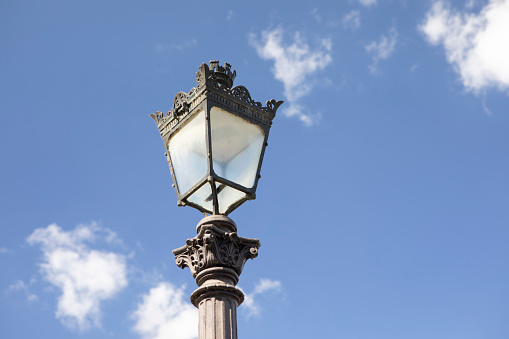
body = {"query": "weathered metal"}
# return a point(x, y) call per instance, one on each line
point(214, 89)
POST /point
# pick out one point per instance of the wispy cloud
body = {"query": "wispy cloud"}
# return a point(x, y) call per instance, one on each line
point(85, 276)
point(5, 250)
point(486, 109)
point(230, 15)
point(470, 4)
point(21, 286)
point(163, 313)
point(352, 20)
point(476, 44)
point(381, 49)
point(295, 65)
point(315, 15)
point(180, 47)
point(262, 287)
point(367, 3)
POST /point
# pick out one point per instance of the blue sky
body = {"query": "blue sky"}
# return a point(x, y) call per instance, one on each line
point(383, 205)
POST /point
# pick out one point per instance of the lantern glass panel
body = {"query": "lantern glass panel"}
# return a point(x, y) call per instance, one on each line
point(227, 196)
point(188, 152)
point(236, 148)
point(203, 197)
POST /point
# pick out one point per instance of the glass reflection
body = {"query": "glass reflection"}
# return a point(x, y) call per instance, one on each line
point(236, 147)
point(188, 152)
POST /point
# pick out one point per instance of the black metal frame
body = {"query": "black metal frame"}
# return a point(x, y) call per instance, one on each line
point(215, 90)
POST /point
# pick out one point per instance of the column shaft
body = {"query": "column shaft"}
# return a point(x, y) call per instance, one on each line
point(218, 318)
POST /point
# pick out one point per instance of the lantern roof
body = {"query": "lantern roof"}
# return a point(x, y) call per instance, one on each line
point(219, 80)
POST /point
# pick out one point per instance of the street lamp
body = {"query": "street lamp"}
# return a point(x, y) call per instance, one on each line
point(215, 138)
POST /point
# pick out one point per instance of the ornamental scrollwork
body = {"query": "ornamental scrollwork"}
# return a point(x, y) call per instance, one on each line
point(180, 103)
point(272, 106)
point(158, 117)
point(240, 92)
point(201, 78)
point(229, 253)
point(213, 247)
point(218, 78)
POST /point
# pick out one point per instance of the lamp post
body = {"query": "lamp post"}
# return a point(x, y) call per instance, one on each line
point(215, 138)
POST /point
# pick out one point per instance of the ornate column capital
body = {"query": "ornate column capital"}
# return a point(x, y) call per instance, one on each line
point(216, 245)
point(216, 257)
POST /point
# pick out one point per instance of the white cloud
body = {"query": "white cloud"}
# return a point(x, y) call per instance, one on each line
point(295, 66)
point(163, 313)
point(382, 49)
point(470, 4)
point(4, 250)
point(230, 15)
point(189, 43)
point(367, 3)
point(20, 285)
point(352, 20)
point(477, 45)
point(266, 285)
point(263, 286)
point(486, 109)
point(315, 15)
point(85, 276)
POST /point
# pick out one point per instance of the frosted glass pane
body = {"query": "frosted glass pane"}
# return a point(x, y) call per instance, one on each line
point(203, 197)
point(188, 152)
point(236, 147)
point(227, 196)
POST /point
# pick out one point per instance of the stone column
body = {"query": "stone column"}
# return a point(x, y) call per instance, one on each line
point(216, 257)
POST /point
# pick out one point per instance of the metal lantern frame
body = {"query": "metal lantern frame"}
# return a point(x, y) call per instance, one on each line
point(214, 89)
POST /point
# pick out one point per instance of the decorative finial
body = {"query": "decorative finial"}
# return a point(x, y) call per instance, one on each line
point(223, 74)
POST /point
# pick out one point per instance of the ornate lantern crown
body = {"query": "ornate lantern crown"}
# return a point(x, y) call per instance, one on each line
point(223, 75)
